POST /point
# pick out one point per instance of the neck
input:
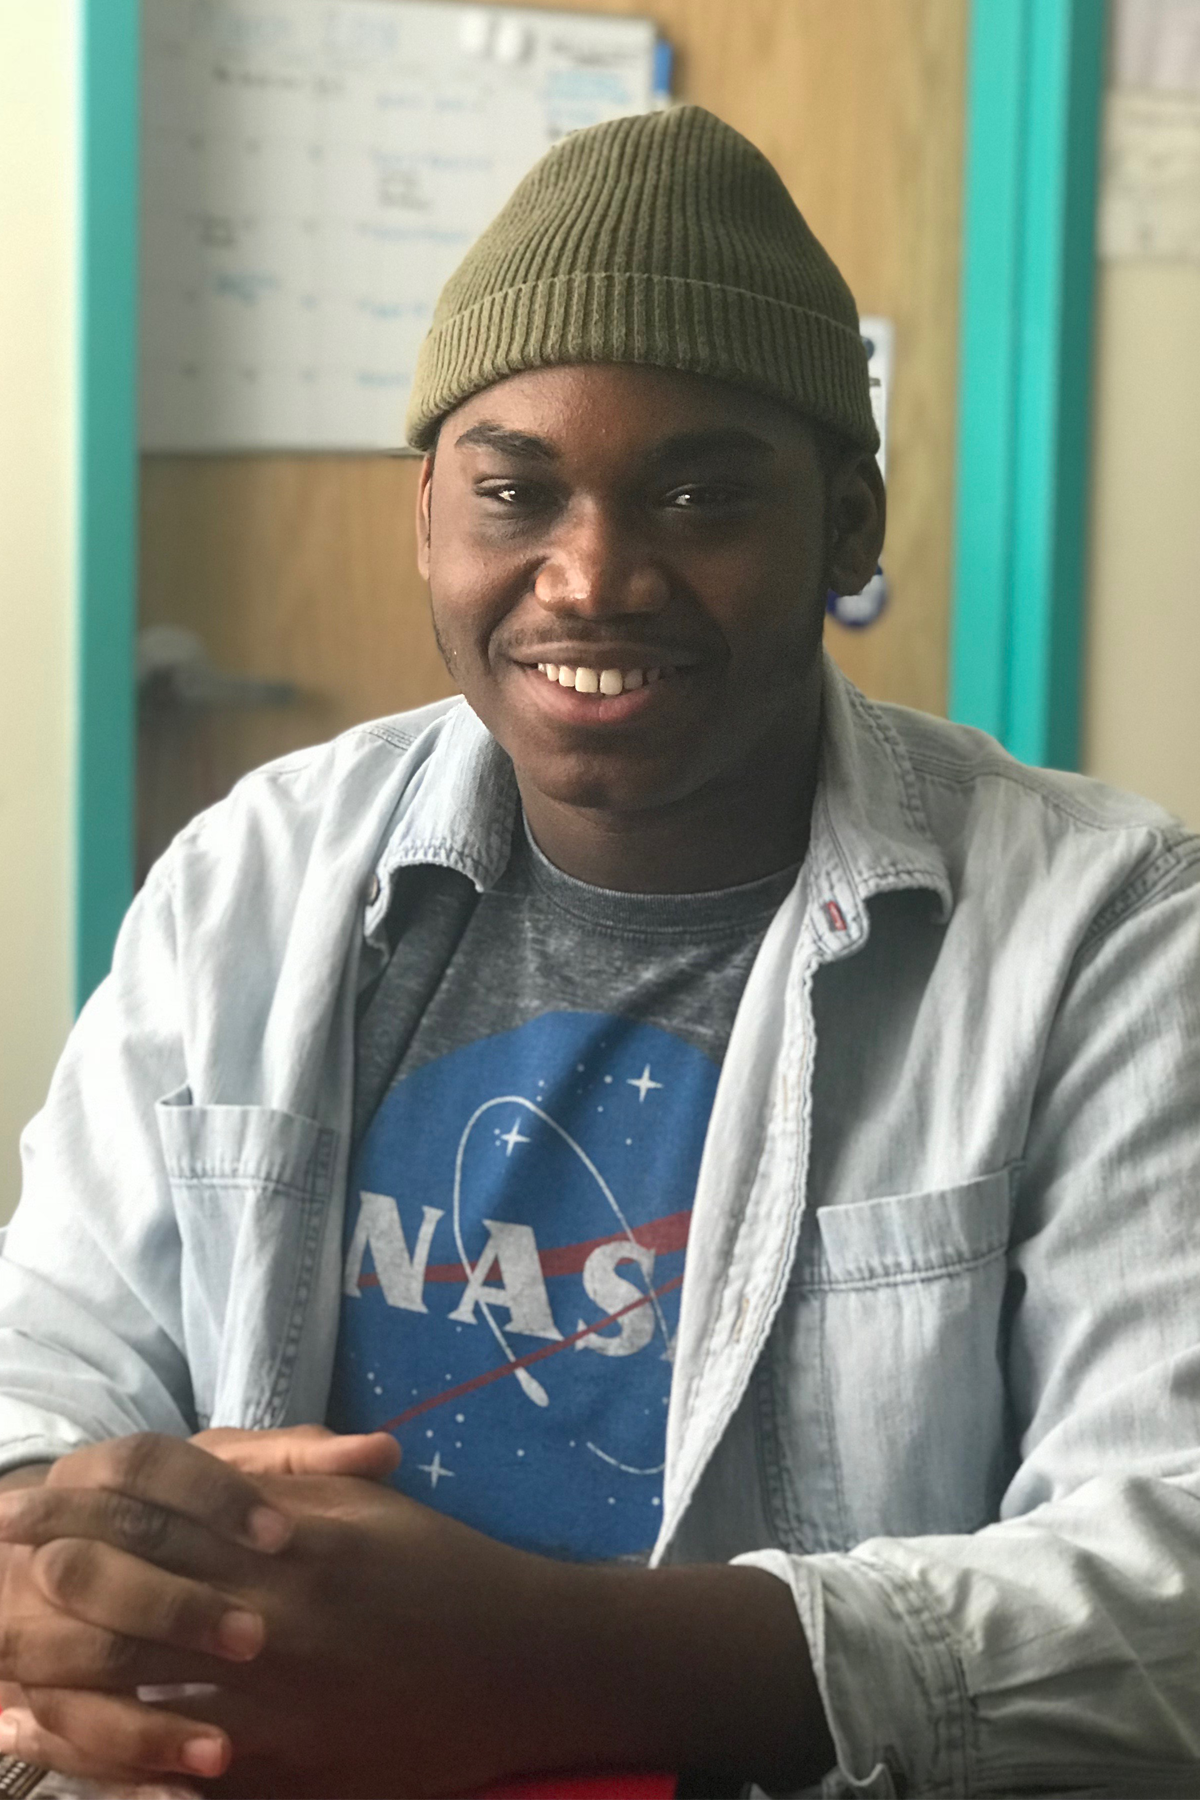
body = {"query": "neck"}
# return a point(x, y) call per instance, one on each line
point(737, 828)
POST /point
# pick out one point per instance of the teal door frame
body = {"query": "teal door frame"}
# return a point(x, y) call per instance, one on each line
point(107, 503)
point(1035, 87)
point(1033, 103)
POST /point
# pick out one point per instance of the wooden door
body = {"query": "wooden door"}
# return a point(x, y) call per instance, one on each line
point(302, 568)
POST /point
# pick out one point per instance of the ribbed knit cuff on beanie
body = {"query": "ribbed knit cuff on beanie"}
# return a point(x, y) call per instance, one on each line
point(665, 239)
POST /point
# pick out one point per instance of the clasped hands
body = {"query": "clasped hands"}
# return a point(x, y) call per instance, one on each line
point(336, 1636)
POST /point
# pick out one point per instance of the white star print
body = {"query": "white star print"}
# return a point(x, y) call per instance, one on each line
point(643, 1084)
point(435, 1469)
point(513, 1136)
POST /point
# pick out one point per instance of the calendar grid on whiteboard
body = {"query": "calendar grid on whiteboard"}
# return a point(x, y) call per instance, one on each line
point(312, 172)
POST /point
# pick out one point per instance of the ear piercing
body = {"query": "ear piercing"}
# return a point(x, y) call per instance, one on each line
point(856, 611)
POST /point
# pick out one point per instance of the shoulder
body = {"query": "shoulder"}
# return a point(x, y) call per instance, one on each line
point(282, 866)
point(319, 771)
point(958, 759)
point(317, 814)
point(995, 818)
point(286, 803)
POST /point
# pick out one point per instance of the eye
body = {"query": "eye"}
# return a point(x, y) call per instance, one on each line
point(522, 498)
point(705, 496)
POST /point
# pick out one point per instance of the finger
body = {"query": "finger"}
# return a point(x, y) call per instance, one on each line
point(277, 1724)
point(371, 1456)
point(37, 1516)
point(305, 1450)
point(21, 1736)
point(121, 1593)
point(114, 1732)
point(54, 1650)
point(175, 1474)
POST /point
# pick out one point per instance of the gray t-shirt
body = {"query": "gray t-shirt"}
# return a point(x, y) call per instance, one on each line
point(540, 941)
point(522, 1189)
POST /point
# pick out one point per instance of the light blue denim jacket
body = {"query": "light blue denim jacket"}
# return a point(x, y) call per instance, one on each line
point(937, 1364)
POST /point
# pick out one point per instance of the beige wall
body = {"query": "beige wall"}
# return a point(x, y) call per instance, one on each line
point(37, 454)
point(1142, 696)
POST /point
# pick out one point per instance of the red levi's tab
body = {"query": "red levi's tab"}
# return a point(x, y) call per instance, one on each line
point(835, 916)
point(613, 1784)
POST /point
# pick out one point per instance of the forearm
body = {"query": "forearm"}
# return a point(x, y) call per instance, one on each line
point(401, 1611)
point(703, 1668)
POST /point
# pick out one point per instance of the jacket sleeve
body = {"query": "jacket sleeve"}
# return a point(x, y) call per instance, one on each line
point(90, 1327)
point(1059, 1648)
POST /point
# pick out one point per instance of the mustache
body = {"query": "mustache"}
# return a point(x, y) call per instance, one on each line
point(530, 643)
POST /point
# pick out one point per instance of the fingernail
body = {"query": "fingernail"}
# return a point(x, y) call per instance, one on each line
point(240, 1635)
point(8, 1732)
point(269, 1530)
point(204, 1755)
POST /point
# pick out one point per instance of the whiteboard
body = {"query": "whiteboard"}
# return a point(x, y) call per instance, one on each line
point(312, 171)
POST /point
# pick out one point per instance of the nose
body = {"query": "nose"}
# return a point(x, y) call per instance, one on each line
point(595, 568)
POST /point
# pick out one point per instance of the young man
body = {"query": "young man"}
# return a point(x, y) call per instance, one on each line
point(663, 1058)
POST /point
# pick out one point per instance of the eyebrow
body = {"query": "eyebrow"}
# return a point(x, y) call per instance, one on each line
point(489, 436)
point(721, 440)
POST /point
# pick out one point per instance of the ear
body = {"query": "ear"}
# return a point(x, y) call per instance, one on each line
point(856, 515)
point(424, 506)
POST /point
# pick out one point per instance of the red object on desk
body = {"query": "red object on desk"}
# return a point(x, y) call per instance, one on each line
point(615, 1784)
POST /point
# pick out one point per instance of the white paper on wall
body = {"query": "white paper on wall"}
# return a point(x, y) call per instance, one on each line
point(1156, 45)
point(312, 172)
point(1150, 192)
point(879, 342)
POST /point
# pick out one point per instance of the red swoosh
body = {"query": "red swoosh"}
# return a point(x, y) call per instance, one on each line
point(523, 1362)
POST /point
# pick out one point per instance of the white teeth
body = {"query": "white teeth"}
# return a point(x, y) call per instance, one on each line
point(608, 682)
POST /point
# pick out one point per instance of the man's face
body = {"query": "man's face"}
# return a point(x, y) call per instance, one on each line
point(670, 530)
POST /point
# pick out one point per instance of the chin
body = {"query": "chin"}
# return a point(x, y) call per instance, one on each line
point(632, 785)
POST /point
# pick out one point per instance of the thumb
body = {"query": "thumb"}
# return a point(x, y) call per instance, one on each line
point(371, 1455)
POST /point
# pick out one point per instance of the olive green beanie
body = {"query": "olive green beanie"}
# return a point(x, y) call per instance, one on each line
point(664, 239)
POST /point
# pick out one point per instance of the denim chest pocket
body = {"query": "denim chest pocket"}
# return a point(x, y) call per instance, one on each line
point(251, 1189)
point(883, 1407)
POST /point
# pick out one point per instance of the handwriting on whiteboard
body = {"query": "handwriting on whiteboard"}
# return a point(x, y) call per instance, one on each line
point(312, 172)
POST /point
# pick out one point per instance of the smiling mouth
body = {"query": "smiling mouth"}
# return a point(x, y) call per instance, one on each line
point(607, 683)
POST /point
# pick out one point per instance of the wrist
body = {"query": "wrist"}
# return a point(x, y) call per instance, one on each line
point(704, 1668)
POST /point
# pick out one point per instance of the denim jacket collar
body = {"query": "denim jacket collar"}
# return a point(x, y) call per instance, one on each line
point(870, 834)
point(458, 807)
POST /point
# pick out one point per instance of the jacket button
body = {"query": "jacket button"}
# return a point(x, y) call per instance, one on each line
point(373, 891)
